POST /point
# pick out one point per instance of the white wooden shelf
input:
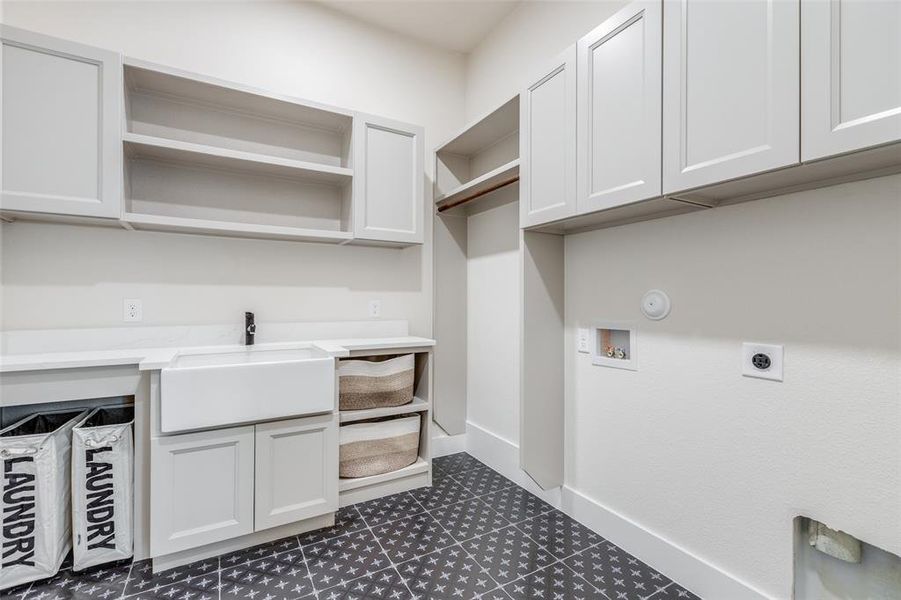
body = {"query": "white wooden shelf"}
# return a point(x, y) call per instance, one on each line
point(201, 155)
point(230, 229)
point(420, 466)
point(482, 158)
point(495, 178)
point(350, 416)
point(485, 131)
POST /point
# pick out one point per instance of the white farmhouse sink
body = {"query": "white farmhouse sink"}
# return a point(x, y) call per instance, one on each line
point(223, 388)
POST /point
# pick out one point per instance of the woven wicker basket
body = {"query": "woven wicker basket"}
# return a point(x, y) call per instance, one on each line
point(375, 383)
point(376, 447)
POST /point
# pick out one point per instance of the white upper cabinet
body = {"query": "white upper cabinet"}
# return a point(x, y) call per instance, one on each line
point(850, 74)
point(619, 109)
point(547, 129)
point(731, 90)
point(61, 114)
point(388, 180)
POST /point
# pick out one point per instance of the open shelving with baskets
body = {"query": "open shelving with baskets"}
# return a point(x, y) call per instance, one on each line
point(419, 473)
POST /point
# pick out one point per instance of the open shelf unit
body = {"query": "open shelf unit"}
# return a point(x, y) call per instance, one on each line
point(483, 158)
point(351, 416)
point(416, 475)
point(419, 467)
point(151, 222)
point(207, 156)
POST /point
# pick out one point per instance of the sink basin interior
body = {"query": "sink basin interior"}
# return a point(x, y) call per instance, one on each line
point(244, 357)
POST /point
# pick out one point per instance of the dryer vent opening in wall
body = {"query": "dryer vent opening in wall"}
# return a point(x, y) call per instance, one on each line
point(614, 346)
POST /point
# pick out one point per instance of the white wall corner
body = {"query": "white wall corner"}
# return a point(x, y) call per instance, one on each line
point(690, 571)
point(502, 455)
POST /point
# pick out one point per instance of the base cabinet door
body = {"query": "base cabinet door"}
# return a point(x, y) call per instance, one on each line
point(388, 180)
point(296, 470)
point(731, 90)
point(547, 129)
point(619, 109)
point(201, 488)
point(62, 151)
point(850, 75)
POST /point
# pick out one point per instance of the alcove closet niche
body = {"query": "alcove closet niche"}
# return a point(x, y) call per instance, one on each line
point(476, 171)
point(497, 321)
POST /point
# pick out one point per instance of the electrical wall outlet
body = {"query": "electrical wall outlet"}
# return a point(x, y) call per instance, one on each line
point(132, 310)
point(583, 340)
point(763, 361)
point(375, 309)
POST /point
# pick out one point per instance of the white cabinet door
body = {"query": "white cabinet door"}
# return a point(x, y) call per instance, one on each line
point(201, 488)
point(619, 109)
point(296, 470)
point(730, 90)
point(62, 152)
point(850, 75)
point(388, 180)
point(547, 129)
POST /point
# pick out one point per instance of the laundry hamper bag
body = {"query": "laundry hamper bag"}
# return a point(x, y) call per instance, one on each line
point(376, 447)
point(102, 487)
point(375, 383)
point(36, 533)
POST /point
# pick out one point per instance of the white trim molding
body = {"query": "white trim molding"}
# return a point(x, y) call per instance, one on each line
point(444, 444)
point(502, 455)
point(690, 571)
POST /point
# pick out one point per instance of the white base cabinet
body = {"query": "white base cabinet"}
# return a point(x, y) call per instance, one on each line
point(212, 486)
point(731, 90)
point(201, 488)
point(850, 76)
point(296, 470)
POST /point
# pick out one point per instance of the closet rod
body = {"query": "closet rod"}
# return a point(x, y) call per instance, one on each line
point(479, 194)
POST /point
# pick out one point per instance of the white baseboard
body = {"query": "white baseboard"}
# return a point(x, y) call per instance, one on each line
point(690, 571)
point(443, 444)
point(502, 455)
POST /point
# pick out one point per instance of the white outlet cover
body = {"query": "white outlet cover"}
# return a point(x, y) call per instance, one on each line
point(583, 340)
point(375, 308)
point(775, 352)
point(132, 310)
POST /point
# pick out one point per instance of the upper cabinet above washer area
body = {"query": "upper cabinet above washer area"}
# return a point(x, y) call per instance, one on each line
point(60, 127)
point(731, 90)
point(619, 109)
point(850, 76)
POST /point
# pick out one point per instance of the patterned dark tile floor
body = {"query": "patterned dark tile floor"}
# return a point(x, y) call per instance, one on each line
point(474, 534)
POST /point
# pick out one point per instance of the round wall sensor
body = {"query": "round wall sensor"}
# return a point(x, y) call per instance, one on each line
point(655, 305)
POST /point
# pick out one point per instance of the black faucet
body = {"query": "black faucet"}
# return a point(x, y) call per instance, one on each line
point(250, 329)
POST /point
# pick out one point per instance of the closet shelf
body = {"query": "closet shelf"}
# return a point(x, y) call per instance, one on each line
point(201, 155)
point(153, 222)
point(418, 405)
point(420, 466)
point(497, 178)
point(485, 131)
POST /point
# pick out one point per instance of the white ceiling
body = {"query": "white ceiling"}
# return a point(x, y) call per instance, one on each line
point(457, 25)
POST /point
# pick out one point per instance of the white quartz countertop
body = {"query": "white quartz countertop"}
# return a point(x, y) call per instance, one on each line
point(151, 359)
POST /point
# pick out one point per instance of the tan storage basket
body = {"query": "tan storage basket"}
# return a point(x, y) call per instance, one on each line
point(375, 383)
point(376, 447)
